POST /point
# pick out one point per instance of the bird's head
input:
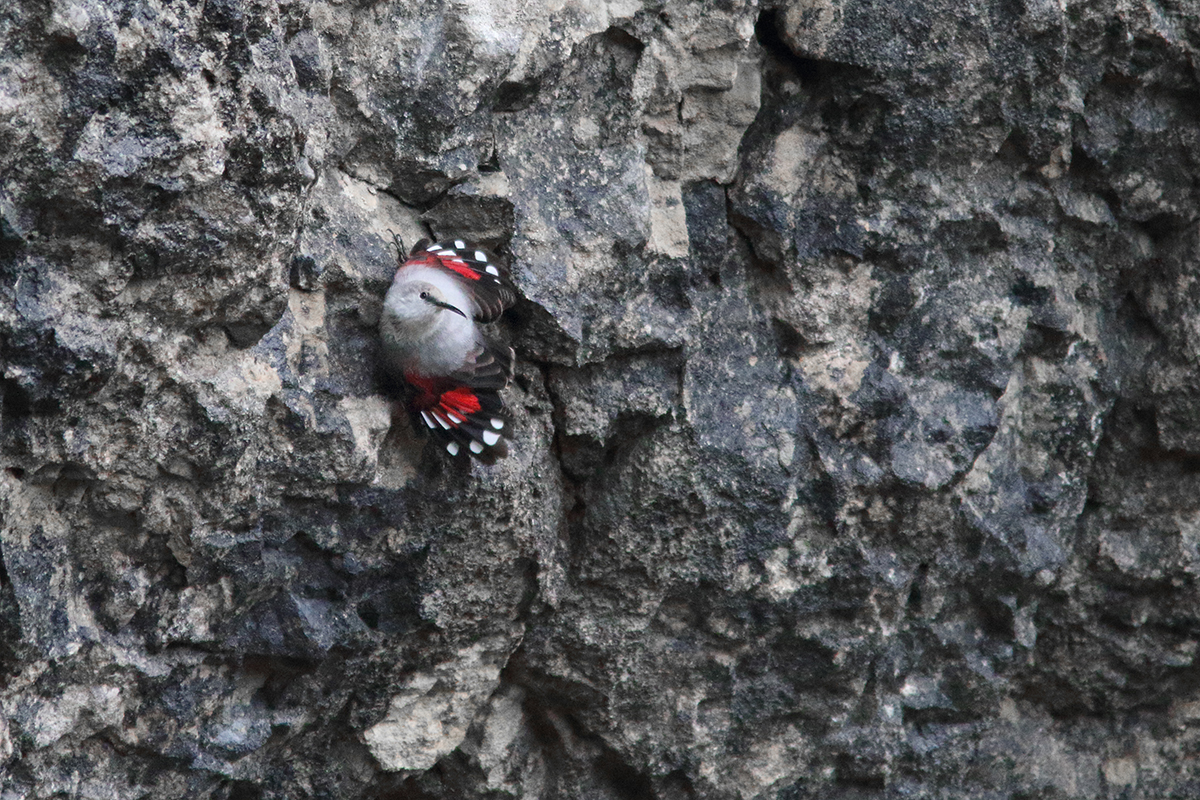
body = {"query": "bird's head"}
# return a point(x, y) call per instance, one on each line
point(418, 302)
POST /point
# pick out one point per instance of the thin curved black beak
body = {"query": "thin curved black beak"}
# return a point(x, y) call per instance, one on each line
point(445, 305)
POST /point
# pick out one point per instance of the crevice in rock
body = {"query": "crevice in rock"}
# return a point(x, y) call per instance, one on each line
point(767, 32)
point(10, 627)
point(515, 95)
point(580, 762)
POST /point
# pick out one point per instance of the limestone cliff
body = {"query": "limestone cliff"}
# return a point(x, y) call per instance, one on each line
point(857, 443)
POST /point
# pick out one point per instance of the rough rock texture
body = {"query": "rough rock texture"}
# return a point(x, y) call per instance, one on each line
point(858, 429)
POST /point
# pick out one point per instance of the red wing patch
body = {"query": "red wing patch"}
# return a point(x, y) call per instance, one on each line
point(456, 264)
point(460, 400)
point(466, 420)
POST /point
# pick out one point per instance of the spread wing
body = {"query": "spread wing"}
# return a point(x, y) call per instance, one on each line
point(465, 420)
point(475, 268)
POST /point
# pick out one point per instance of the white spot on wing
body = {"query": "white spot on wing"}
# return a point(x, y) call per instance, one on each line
point(433, 248)
point(498, 424)
point(428, 420)
point(479, 256)
point(491, 270)
point(457, 420)
point(459, 244)
point(490, 438)
point(452, 448)
point(476, 447)
point(441, 419)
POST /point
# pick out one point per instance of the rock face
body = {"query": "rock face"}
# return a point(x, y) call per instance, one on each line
point(858, 429)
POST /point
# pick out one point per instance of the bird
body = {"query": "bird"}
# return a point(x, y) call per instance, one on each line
point(432, 337)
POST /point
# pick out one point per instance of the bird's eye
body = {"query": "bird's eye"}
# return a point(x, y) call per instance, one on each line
point(424, 295)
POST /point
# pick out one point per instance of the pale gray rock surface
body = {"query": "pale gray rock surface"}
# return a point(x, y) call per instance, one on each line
point(857, 446)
